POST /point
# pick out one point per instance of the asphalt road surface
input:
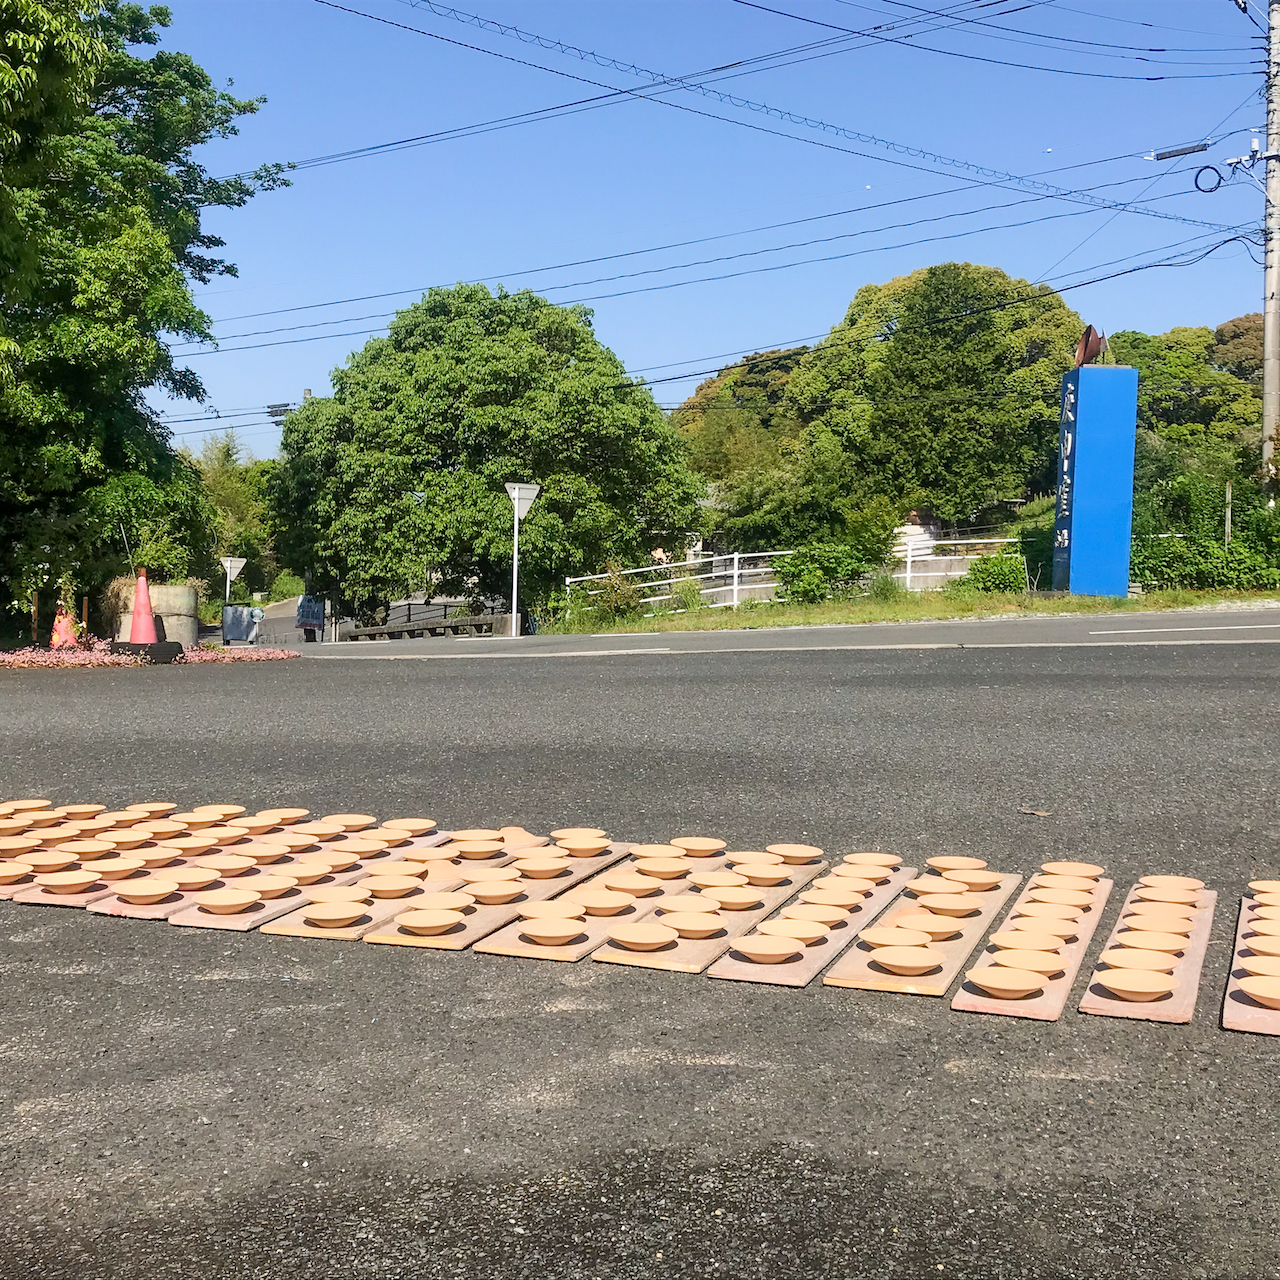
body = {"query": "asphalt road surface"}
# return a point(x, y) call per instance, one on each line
point(236, 1107)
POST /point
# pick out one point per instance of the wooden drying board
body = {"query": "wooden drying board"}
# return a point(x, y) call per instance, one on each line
point(8, 891)
point(194, 916)
point(1049, 1004)
point(692, 955)
point(480, 921)
point(1239, 1012)
point(510, 941)
point(854, 969)
point(39, 896)
point(800, 970)
point(162, 910)
point(1181, 1003)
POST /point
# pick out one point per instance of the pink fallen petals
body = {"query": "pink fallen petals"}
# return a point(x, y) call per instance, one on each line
point(249, 654)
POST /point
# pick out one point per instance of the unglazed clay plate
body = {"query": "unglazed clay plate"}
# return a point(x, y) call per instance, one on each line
point(822, 912)
point(333, 915)
point(284, 817)
point(936, 927)
point(1266, 991)
point(225, 902)
point(953, 904)
point(763, 948)
point(1060, 929)
point(272, 886)
point(350, 821)
point(720, 879)
point(390, 886)
point(973, 881)
point(1137, 984)
point(493, 892)
point(1025, 940)
point(429, 922)
point(1260, 966)
point(796, 853)
point(1049, 880)
point(337, 893)
point(1006, 984)
point(750, 855)
point(909, 961)
point(955, 863)
point(644, 935)
point(1045, 962)
point(579, 833)
point(1180, 897)
point(601, 902)
point(1137, 958)
point(1089, 870)
point(1171, 882)
point(1147, 940)
point(632, 882)
point(582, 847)
point(699, 846)
point(146, 891)
point(664, 868)
point(542, 868)
point(733, 897)
point(894, 937)
point(67, 881)
point(558, 909)
point(806, 931)
point(689, 924)
point(888, 860)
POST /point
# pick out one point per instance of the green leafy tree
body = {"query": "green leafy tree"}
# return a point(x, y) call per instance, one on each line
point(395, 484)
point(942, 387)
point(236, 485)
point(1237, 348)
point(48, 58)
point(117, 239)
point(738, 420)
point(1182, 397)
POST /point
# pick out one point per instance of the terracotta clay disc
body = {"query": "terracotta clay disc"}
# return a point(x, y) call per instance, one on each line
point(699, 846)
point(690, 924)
point(806, 931)
point(1089, 870)
point(909, 961)
point(890, 860)
point(733, 897)
point(762, 948)
point(351, 821)
point(822, 912)
point(1004, 983)
point(795, 852)
point(1266, 991)
point(950, 863)
point(894, 937)
point(1137, 984)
point(1171, 882)
point(579, 833)
point(333, 915)
point(1136, 958)
point(1046, 962)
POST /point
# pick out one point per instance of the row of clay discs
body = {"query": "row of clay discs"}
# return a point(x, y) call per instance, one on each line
point(1262, 938)
point(146, 858)
point(824, 904)
point(734, 883)
point(939, 901)
point(1150, 943)
point(1027, 950)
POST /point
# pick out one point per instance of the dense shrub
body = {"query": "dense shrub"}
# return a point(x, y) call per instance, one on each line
point(1002, 572)
point(286, 586)
point(1198, 562)
point(821, 572)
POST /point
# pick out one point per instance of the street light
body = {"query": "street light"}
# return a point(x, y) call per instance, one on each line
point(522, 496)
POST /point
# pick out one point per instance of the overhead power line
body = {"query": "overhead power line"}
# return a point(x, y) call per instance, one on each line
point(750, 253)
point(994, 176)
point(999, 62)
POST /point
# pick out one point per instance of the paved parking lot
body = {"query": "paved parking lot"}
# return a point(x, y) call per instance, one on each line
point(236, 1107)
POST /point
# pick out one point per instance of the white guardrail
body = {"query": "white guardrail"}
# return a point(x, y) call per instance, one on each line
point(727, 579)
point(728, 575)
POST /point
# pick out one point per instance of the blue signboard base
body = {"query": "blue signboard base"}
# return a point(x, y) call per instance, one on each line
point(1093, 526)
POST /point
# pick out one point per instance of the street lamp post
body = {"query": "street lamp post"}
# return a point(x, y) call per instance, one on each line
point(522, 496)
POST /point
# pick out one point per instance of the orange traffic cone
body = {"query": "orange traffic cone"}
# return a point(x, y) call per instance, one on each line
point(143, 628)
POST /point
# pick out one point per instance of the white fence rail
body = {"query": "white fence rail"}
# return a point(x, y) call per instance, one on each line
point(726, 580)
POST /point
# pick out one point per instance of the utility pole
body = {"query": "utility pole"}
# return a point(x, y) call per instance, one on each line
point(1271, 239)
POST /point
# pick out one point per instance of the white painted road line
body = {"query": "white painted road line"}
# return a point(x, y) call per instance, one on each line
point(781, 648)
point(1235, 626)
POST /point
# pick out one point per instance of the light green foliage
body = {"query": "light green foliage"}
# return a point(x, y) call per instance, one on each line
point(939, 392)
point(236, 485)
point(396, 482)
point(1182, 397)
point(821, 571)
point(686, 594)
point(285, 587)
point(113, 217)
point(884, 588)
point(1003, 572)
point(738, 420)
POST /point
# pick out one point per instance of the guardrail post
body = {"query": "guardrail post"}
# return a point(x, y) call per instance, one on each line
point(907, 583)
point(736, 561)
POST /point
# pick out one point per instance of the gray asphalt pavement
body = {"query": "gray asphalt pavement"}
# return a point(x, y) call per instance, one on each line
point(177, 1102)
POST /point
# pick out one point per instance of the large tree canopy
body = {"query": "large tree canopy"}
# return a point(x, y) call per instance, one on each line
point(112, 216)
point(942, 387)
point(737, 420)
point(395, 484)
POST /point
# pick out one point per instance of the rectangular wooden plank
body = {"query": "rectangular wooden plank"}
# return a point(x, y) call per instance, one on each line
point(510, 940)
point(802, 969)
point(480, 921)
point(1180, 1004)
point(1239, 1011)
point(854, 968)
point(194, 916)
point(8, 891)
point(693, 955)
point(38, 896)
point(1048, 1005)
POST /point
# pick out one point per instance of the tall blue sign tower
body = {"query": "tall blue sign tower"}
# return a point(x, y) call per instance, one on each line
point(1094, 522)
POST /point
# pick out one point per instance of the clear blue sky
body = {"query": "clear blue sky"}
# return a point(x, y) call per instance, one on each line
point(510, 205)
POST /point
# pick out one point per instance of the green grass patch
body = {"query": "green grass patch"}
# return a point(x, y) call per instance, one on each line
point(908, 607)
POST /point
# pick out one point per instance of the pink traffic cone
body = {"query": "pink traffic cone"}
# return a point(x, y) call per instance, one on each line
point(143, 629)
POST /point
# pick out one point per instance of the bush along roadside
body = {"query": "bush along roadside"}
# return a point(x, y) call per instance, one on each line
point(825, 571)
point(1162, 563)
point(1005, 571)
